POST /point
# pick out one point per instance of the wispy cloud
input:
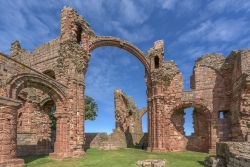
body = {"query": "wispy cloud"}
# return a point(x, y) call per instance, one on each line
point(138, 34)
point(229, 6)
point(224, 30)
point(168, 4)
point(179, 7)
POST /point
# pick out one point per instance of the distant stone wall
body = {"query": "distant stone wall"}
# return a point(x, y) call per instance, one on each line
point(128, 117)
point(105, 141)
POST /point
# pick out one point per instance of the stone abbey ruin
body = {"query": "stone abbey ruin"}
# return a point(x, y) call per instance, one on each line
point(52, 76)
point(128, 126)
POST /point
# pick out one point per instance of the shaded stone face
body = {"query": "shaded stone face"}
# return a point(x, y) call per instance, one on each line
point(56, 70)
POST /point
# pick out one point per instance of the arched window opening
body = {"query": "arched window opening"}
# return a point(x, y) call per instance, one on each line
point(145, 122)
point(50, 73)
point(79, 34)
point(188, 121)
point(157, 62)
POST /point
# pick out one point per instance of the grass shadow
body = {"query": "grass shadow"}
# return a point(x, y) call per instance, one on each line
point(29, 159)
point(202, 163)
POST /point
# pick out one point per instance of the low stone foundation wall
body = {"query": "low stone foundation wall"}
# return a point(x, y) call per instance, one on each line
point(28, 144)
point(115, 140)
point(230, 154)
point(105, 141)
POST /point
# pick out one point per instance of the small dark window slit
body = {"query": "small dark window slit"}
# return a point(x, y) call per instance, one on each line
point(156, 62)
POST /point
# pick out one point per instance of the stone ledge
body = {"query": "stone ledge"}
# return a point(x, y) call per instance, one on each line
point(9, 102)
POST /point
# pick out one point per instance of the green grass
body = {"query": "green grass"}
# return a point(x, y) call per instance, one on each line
point(119, 158)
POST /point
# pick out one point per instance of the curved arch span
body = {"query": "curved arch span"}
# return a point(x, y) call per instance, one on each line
point(113, 41)
point(191, 103)
point(142, 112)
point(44, 83)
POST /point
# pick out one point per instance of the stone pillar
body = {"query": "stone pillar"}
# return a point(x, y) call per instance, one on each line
point(8, 133)
point(149, 125)
point(78, 116)
point(156, 111)
point(61, 146)
point(213, 134)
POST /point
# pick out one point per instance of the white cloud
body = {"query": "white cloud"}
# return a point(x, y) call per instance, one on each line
point(131, 13)
point(221, 30)
point(136, 35)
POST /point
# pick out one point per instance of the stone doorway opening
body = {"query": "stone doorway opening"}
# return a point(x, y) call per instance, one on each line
point(36, 124)
point(192, 128)
point(110, 82)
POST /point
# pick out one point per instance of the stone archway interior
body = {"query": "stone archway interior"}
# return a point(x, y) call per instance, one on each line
point(199, 140)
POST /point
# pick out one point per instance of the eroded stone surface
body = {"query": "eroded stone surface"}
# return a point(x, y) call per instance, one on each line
point(151, 163)
point(230, 154)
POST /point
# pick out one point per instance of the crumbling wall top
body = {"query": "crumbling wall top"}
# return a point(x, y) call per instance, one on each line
point(213, 60)
point(165, 73)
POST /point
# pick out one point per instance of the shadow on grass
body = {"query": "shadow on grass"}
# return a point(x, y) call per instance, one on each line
point(29, 159)
point(202, 163)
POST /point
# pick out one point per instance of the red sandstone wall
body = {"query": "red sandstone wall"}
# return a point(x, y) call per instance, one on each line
point(33, 130)
point(128, 118)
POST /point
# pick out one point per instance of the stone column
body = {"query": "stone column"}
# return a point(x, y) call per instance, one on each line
point(61, 146)
point(213, 134)
point(78, 117)
point(149, 125)
point(8, 133)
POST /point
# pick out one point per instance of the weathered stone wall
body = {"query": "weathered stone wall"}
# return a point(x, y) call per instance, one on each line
point(230, 154)
point(117, 139)
point(128, 118)
point(43, 58)
point(240, 95)
point(34, 135)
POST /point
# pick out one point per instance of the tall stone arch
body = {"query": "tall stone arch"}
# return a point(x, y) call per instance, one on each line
point(120, 43)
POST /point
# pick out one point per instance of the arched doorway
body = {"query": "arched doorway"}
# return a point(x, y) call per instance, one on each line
point(199, 139)
point(111, 41)
point(32, 117)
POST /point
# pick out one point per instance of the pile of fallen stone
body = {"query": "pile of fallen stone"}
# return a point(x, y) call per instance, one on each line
point(151, 163)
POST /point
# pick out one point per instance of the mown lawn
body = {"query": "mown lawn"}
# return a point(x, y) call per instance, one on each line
point(119, 158)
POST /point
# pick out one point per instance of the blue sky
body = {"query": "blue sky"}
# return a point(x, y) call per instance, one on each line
point(190, 28)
